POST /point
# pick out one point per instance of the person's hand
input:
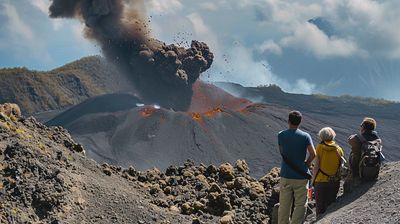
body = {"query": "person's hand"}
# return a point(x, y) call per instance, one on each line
point(309, 164)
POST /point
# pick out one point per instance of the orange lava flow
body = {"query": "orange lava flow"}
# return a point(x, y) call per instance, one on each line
point(213, 112)
point(196, 116)
point(147, 112)
point(209, 99)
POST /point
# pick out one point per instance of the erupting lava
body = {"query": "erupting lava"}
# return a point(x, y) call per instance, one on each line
point(147, 111)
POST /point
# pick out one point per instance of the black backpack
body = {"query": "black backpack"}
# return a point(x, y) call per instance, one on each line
point(370, 162)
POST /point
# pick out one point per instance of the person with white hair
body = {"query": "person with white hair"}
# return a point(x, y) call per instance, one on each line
point(326, 177)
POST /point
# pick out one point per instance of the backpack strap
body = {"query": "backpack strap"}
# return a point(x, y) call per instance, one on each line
point(294, 167)
point(320, 170)
point(340, 158)
point(362, 138)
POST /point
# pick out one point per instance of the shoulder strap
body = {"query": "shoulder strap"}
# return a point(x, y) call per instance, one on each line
point(296, 168)
point(337, 150)
point(362, 138)
point(340, 158)
point(320, 170)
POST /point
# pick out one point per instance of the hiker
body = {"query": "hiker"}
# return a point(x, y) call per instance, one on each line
point(367, 134)
point(326, 176)
point(295, 174)
point(365, 157)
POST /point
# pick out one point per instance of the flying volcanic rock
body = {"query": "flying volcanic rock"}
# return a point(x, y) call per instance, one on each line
point(161, 73)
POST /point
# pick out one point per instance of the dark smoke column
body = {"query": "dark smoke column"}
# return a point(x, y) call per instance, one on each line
point(162, 74)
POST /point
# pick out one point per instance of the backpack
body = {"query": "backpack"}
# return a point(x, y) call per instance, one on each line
point(370, 162)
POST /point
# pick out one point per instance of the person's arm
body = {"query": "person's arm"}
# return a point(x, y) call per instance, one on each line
point(353, 141)
point(315, 168)
point(311, 154)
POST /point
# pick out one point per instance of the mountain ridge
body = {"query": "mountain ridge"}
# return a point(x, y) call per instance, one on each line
point(37, 91)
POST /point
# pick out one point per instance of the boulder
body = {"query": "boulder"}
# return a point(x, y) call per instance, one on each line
point(241, 183)
point(187, 208)
point(242, 166)
point(256, 190)
point(226, 172)
point(227, 219)
point(215, 188)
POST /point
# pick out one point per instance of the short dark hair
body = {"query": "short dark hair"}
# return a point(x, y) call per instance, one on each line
point(295, 117)
point(368, 124)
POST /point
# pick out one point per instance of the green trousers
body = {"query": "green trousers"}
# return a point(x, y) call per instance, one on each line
point(292, 189)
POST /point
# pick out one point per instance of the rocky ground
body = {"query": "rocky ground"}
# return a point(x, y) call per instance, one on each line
point(372, 202)
point(46, 178)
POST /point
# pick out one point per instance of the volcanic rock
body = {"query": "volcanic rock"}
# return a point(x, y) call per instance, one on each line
point(226, 172)
point(242, 166)
point(44, 180)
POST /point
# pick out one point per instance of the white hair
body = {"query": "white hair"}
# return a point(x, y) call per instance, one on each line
point(327, 134)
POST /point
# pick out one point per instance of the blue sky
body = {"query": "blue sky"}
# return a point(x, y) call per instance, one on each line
point(334, 47)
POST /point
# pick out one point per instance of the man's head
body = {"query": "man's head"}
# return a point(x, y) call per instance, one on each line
point(295, 118)
point(368, 124)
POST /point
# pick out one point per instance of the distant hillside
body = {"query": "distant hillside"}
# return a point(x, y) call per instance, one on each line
point(37, 91)
point(318, 103)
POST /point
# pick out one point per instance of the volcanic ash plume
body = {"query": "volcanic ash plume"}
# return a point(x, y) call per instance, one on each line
point(161, 73)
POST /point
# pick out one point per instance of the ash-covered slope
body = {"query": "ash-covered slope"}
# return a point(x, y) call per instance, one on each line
point(147, 136)
point(46, 178)
point(343, 113)
point(375, 202)
point(220, 128)
point(37, 91)
point(317, 103)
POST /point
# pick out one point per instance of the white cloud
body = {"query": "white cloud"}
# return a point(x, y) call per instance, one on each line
point(15, 24)
point(164, 6)
point(363, 27)
point(203, 32)
point(242, 68)
point(42, 5)
point(373, 24)
point(210, 6)
point(303, 86)
point(78, 34)
point(57, 23)
point(309, 38)
point(270, 46)
point(23, 41)
point(290, 12)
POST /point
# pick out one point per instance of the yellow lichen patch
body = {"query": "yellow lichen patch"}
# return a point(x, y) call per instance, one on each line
point(14, 211)
point(42, 147)
point(69, 157)
point(5, 125)
point(19, 131)
point(13, 118)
